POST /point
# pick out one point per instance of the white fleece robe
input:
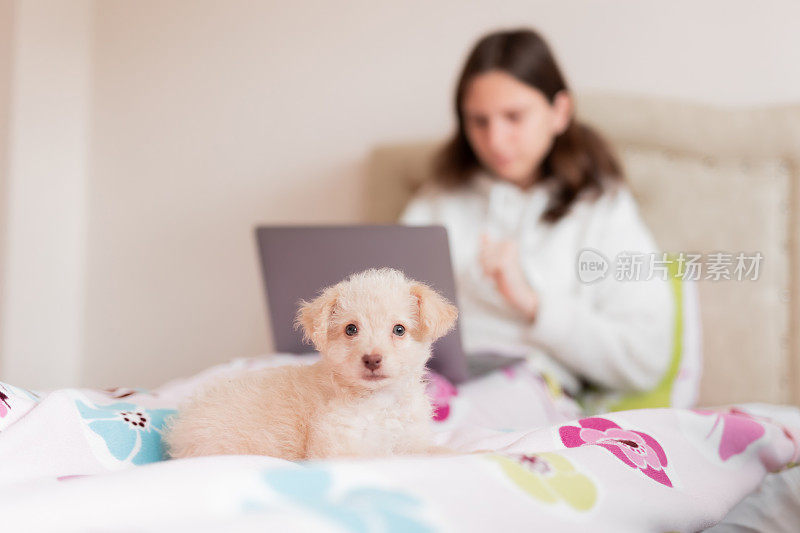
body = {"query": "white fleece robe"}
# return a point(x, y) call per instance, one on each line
point(616, 334)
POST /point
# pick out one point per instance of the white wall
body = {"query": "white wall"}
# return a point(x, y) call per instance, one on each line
point(45, 190)
point(6, 27)
point(715, 51)
point(207, 118)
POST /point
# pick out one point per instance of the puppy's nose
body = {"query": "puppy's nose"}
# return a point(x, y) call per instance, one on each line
point(372, 361)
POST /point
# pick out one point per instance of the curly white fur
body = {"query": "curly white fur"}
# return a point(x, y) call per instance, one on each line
point(341, 405)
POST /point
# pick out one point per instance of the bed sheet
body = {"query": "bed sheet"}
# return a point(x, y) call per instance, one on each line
point(81, 459)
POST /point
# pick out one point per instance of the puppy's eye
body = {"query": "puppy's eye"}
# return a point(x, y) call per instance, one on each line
point(399, 330)
point(350, 330)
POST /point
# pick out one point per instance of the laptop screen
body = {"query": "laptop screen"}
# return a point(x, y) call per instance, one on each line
point(297, 262)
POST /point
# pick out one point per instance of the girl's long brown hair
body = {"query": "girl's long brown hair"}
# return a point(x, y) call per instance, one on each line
point(579, 161)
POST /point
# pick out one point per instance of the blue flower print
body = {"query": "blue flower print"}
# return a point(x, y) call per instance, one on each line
point(359, 510)
point(130, 432)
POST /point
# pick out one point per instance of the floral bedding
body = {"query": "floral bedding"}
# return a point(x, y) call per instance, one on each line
point(93, 460)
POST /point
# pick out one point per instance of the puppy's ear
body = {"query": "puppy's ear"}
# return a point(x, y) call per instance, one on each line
point(314, 317)
point(436, 315)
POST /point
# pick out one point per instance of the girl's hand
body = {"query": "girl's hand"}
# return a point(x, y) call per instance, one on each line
point(500, 261)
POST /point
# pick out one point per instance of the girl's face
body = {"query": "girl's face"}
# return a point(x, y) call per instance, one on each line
point(511, 126)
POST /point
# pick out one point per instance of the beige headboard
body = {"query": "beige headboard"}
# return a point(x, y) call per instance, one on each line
point(708, 180)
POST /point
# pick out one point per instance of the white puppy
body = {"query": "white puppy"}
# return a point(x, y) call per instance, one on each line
point(365, 397)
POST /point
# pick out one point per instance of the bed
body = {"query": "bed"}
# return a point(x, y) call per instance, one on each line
point(93, 460)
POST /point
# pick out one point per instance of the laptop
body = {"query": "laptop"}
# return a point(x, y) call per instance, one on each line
point(297, 262)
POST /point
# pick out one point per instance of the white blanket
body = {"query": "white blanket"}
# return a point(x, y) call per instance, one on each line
point(89, 460)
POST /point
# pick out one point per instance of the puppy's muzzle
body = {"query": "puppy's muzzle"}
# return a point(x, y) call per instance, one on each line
point(372, 361)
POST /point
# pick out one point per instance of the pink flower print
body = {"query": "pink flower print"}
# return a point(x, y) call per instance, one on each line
point(4, 407)
point(440, 390)
point(629, 442)
point(739, 430)
point(634, 448)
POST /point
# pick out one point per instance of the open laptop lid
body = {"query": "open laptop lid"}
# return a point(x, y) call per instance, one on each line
point(297, 262)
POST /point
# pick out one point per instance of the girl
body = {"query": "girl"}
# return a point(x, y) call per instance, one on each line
point(536, 207)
